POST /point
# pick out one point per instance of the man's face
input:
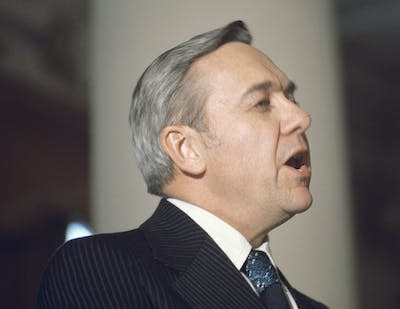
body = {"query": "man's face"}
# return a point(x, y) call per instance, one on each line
point(258, 163)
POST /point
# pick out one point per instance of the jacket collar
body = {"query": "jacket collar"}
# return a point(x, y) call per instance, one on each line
point(207, 278)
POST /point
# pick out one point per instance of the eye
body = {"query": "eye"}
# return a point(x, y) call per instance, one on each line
point(295, 101)
point(291, 98)
point(263, 103)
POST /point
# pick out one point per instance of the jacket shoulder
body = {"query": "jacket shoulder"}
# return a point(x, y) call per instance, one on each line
point(101, 250)
point(95, 272)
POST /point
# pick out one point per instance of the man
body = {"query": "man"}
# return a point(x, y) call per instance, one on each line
point(219, 136)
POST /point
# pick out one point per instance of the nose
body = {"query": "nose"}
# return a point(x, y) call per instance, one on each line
point(294, 118)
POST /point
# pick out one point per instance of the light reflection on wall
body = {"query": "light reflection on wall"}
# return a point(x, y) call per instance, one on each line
point(77, 229)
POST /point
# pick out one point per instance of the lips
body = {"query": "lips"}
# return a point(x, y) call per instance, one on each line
point(298, 160)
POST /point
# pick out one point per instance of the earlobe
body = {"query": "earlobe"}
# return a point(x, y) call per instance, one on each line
point(184, 146)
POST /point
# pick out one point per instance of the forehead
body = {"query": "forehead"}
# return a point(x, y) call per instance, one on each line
point(235, 67)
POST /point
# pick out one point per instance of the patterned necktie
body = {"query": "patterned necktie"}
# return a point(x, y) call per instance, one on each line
point(263, 276)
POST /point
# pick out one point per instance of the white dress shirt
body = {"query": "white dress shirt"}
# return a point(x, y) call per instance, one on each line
point(231, 241)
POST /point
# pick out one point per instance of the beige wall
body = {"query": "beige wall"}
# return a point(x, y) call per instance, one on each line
point(314, 249)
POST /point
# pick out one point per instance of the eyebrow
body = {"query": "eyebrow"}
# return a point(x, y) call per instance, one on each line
point(264, 86)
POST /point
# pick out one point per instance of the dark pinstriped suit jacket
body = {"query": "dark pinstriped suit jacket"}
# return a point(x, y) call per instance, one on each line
point(169, 262)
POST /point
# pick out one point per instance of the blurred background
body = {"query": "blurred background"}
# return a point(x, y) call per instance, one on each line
point(51, 64)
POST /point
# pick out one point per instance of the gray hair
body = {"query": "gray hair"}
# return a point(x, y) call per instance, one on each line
point(166, 95)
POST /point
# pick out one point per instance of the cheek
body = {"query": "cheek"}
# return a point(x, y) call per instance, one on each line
point(247, 149)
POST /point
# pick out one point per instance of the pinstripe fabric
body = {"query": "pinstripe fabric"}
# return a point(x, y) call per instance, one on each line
point(169, 262)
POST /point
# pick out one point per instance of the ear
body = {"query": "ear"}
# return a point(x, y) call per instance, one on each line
point(185, 147)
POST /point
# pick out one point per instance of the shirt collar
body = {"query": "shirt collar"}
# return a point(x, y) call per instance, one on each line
point(230, 240)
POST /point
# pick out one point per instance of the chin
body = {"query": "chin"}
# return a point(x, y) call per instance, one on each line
point(299, 203)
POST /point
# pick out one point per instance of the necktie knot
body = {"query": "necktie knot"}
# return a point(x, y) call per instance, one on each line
point(260, 271)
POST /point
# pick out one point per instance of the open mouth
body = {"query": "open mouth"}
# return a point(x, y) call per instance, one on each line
point(298, 160)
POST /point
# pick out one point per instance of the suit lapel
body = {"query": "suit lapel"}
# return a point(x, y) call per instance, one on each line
point(207, 278)
point(211, 281)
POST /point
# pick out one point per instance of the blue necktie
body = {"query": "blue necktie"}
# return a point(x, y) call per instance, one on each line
point(263, 276)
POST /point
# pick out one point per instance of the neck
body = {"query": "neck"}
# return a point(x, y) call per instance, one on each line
point(254, 222)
